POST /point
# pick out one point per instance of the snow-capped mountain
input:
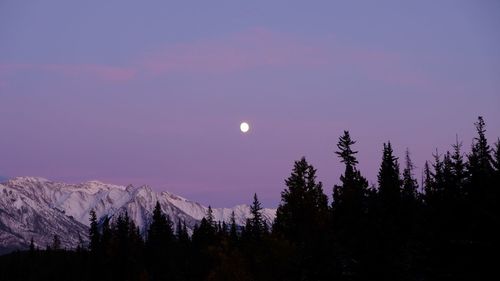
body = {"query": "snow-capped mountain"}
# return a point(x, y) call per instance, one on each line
point(38, 208)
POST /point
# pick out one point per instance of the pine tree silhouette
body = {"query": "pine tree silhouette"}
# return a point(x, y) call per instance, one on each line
point(303, 206)
point(428, 182)
point(349, 211)
point(159, 243)
point(479, 163)
point(302, 218)
point(255, 225)
point(56, 243)
point(458, 168)
point(32, 245)
point(389, 181)
point(160, 232)
point(410, 185)
point(94, 234)
point(496, 157)
point(350, 196)
point(233, 229)
point(204, 234)
point(449, 186)
point(210, 217)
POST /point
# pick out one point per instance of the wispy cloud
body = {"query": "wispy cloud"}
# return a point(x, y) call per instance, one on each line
point(246, 50)
point(263, 48)
point(249, 49)
point(102, 72)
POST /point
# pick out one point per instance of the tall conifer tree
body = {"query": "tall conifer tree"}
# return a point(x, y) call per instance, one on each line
point(496, 157)
point(160, 231)
point(303, 206)
point(388, 177)
point(458, 167)
point(255, 225)
point(233, 231)
point(94, 234)
point(428, 182)
point(410, 185)
point(479, 163)
point(349, 198)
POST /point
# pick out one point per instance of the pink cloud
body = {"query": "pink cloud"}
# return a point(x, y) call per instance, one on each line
point(261, 47)
point(103, 72)
point(250, 49)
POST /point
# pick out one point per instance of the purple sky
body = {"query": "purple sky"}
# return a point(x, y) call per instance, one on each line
point(152, 92)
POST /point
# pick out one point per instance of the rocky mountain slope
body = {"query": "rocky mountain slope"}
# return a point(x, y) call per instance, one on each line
point(38, 208)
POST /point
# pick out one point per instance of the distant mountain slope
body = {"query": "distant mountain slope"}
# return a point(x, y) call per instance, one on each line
point(39, 208)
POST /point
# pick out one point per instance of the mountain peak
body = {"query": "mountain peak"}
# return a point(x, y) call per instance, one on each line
point(24, 179)
point(64, 209)
point(96, 186)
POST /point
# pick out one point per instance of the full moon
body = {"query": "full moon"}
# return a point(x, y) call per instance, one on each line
point(244, 127)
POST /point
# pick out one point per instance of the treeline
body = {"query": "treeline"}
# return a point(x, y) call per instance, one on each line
point(446, 228)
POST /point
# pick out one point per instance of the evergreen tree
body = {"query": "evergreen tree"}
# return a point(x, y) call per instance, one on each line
point(450, 188)
point(394, 221)
point(122, 229)
point(345, 152)
point(218, 229)
point(246, 231)
point(135, 237)
point(428, 182)
point(210, 217)
point(106, 236)
point(233, 230)
point(178, 229)
point(255, 225)
point(480, 163)
point(495, 192)
point(481, 147)
point(438, 175)
point(410, 185)
point(32, 245)
point(458, 167)
point(301, 218)
point(94, 234)
point(496, 158)
point(388, 178)
point(56, 243)
point(304, 206)
point(159, 244)
point(484, 193)
point(185, 234)
point(351, 194)
point(224, 229)
point(349, 209)
point(349, 198)
point(160, 232)
point(204, 234)
point(80, 246)
point(181, 232)
point(435, 181)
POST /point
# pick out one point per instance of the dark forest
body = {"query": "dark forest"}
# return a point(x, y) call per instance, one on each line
point(441, 225)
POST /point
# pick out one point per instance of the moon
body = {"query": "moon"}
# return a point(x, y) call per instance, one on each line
point(244, 127)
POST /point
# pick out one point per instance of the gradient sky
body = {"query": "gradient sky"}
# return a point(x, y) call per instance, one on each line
point(152, 92)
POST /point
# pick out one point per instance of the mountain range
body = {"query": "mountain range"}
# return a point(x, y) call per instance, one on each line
point(37, 208)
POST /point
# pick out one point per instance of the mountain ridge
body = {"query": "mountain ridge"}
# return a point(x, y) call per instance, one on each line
point(38, 208)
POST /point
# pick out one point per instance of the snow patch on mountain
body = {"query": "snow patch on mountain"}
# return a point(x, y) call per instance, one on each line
point(32, 207)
